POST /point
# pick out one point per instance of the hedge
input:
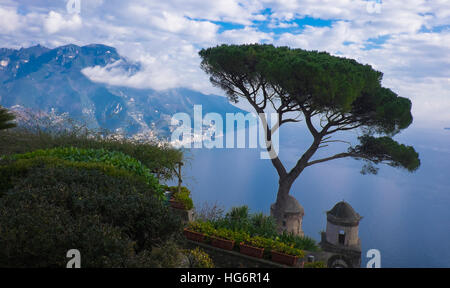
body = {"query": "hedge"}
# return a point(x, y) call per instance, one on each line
point(114, 159)
point(53, 205)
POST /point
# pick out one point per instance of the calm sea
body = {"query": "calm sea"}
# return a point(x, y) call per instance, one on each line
point(406, 215)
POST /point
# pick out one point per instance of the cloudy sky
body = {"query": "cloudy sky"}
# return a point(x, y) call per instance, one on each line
point(409, 41)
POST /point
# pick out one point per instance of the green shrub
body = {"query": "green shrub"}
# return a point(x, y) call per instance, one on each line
point(161, 159)
point(55, 207)
point(167, 255)
point(259, 242)
point(286, 249)
point(206, 228)
point(237, 236)
point(183, 196)
point(268, 244)
point(318, 264)
point(262, 225)
point(39, 234)
point(198, 258)
point(12, 171)
point(300, 242)
point(114, 159)
point(239, 219)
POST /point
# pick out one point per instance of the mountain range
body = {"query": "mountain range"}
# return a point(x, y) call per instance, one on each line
point(51, 81)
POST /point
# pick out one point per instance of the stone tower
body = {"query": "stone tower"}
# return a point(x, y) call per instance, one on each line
point(292, 217)
point(341, 237)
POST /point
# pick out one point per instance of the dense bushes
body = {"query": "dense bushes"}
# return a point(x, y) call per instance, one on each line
point(50, 206)
point(239, 218)
point(109, 158)
point(160, 158)
point(198, 258)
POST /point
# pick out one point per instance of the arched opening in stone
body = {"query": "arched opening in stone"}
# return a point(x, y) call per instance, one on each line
point(341, 237)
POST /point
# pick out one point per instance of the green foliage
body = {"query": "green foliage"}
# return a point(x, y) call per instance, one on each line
point(167, 255)
point(300, 242)
point(262, 225)
point(184, 196)
point(114, 159)
point(341, 93)
point(158, 158)
point(287, 249)
point(237, 236)
point(280, 244)
point(256, 227)
point(238, 214)
point(260, 242)
point(198, 258)
point(317, 264)
point(385, 149)
point(38, 234)
point(316, 80)
point(239, 219)
point(204, 227)
point(51, 208)
point(6, 119)
point(13, 171)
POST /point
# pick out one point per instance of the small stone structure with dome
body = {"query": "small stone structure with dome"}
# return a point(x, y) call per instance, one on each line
point(292, 217)
point(340, 243)
point(341, 236)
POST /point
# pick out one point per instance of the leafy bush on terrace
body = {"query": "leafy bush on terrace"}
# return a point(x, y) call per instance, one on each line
point(114, 158)
point(159, 158)
point(184, 196)
point(257, 224)
point(114, 220)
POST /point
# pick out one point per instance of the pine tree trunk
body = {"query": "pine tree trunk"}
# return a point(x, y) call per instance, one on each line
point(277, 210)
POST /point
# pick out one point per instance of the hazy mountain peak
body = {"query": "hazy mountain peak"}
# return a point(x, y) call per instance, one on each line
point(51, 80)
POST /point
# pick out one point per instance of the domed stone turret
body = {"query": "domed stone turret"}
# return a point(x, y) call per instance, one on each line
point(343, 214)
point(292, 216)
point(341, 236)
point(294, 207)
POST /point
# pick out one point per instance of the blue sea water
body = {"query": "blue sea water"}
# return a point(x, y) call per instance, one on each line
point(406, 215)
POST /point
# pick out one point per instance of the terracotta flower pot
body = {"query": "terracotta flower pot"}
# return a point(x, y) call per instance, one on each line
point(177, 205)
point(284, 258)
point(194, 236)
point(222, 243)
point(251, 251)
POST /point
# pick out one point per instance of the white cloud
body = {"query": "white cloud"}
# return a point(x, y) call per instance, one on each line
point(157, 72)
point(56, 22)
point(9, 20)
point(245, 35)
point(165, 36)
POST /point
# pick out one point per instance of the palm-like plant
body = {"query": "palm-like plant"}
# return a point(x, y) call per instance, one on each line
point(6, 119)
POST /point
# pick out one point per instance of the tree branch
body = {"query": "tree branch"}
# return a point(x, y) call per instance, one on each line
point(337, 156)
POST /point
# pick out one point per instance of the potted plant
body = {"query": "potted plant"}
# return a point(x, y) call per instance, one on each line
point(223, 238)
point(194, 236)
point(196, 231)
point(254, 246)
point(285, 254)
